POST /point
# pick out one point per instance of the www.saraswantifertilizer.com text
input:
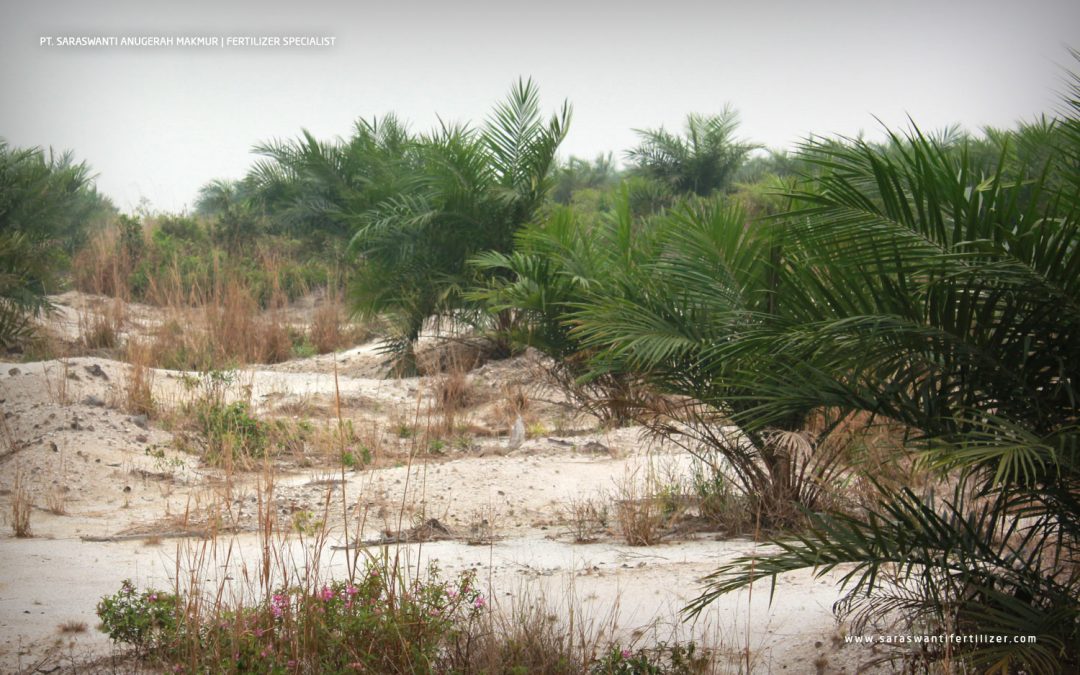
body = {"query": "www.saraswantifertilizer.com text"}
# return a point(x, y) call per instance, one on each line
point(212, 41)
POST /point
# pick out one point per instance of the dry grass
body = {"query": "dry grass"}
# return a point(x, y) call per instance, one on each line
point(585, 518)
point(103, 266)
point(238, 331)
point(326, 331)
point(72, 626)
point(874, 456)
point(100, 326)
point(139, 385)
point(639, 510)
point(212, 320)
point(56, 496)
point(453, 394)
point(56, 500)
point(21, 505)
point(11, 444)
point(483, 527)
point(535, 635)
point(227, 328)
point(57, 382)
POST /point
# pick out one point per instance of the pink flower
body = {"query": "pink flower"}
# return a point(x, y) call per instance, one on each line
point(277, 605)
point(153, 597)
point(626, 653)
point(327, 594)
point(479, 602)
point(351, 590)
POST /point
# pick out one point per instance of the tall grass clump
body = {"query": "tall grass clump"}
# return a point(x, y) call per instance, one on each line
point(139, 385)
point(22, 503)
point(224, 305)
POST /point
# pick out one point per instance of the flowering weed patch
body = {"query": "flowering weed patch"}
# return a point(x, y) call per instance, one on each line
point(379, 623)
point(145, 620)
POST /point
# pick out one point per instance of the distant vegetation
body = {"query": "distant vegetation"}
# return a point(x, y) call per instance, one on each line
point(921, 291)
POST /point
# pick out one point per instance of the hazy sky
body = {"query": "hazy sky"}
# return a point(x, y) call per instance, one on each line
point(159, 122)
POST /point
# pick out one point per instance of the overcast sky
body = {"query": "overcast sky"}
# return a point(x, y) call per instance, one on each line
point(156, 123)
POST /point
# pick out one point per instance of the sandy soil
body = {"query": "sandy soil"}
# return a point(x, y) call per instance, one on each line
point(111, 490)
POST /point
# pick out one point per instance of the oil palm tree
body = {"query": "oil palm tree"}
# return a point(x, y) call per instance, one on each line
point(314, 189)
point(580, 174)
point(701, 161)
point(469, 190)
point(917, 288)
point(557, 264)
point(47, 206)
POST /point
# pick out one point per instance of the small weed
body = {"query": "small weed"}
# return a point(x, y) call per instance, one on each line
point(663, 659)
point(719, 502)
point(302, 348)
point(585, 519)
point(306, 523)
point(482, 527)
point(56, 500)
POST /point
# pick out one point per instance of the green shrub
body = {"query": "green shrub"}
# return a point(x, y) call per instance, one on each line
point(144, 619)
point(181, 227)
point(230, 430)
point(302, 347)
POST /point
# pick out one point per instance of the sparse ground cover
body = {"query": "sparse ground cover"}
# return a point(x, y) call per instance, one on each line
point(235, 484)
